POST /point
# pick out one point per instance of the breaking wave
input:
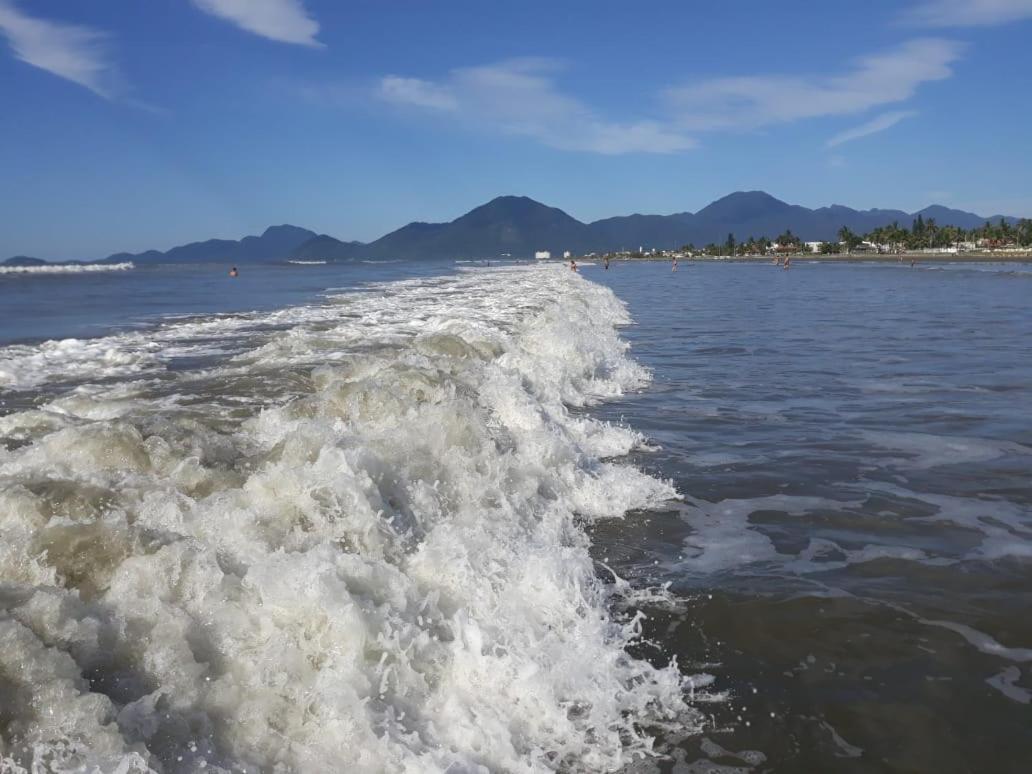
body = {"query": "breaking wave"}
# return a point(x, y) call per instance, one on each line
point(354, 543)
point(67, 268)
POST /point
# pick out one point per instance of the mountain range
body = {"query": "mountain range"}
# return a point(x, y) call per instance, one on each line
point(518, 226)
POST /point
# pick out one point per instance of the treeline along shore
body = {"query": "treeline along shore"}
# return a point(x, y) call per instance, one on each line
point(982, 256)
point(924, 240)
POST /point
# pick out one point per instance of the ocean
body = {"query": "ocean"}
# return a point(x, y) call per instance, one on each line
point(460, 517)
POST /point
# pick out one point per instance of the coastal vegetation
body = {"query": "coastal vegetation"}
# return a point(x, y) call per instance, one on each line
point(924, 235)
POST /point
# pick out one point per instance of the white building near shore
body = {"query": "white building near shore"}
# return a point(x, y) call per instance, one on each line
point(543, 255)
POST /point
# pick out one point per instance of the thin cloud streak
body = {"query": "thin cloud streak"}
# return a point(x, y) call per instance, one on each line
point(875, 125)
point(285, 21)
point(413, 91)
point(967, 13)
point(520, 98)
point(73, 52)
point(753, 102)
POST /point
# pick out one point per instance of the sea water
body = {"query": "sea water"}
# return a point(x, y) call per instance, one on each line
point(853, 444)
point(452, 517)
point(342, 535)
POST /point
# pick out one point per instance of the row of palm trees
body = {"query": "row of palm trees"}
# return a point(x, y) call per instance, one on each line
point(925, 234)
point(751, 246)
point(922, 234)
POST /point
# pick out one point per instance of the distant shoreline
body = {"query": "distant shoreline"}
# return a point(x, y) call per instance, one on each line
point(905, 258)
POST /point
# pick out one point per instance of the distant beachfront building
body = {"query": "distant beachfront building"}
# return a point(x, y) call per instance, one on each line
point(813, 247)
point(567, 254)
point(543, 255)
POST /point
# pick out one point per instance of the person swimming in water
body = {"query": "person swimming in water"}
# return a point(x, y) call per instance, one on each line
point(674, 267)
point(233, 272)
point(573, 265)
point(605, 262)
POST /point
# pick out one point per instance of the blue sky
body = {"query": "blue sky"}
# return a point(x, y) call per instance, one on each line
point(127, 125)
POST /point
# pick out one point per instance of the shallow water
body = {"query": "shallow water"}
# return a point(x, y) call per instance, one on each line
point(854, 446)
point(377, 528)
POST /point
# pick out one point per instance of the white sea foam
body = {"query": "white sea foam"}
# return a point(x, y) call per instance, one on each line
point(723, 537)
point(1005, 526)
point(1005, 683)
point(978, 639)
point(308, 263)
point(925, 450)
point(27, 366)
point(382, 570)
point(67, 268)
point(24, 366)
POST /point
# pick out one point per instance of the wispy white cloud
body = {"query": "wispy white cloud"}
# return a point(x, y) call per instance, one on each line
point(73, 52)
point(751, 102)
point(286, 21)
point(521, 98)
point(967, 13)
point(877, 124)
point(413, 91)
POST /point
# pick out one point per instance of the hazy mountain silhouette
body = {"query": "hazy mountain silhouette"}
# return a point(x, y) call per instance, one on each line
point(326, 248)
point(947, 216)
point(23, 260)
point(519, 226)
point(275, 244)
point(508, 224)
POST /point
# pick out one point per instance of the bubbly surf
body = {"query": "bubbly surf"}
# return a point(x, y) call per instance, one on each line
point(347, 536)
point(67, 268)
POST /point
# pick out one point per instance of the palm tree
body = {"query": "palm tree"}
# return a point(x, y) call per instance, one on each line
point(847, 236)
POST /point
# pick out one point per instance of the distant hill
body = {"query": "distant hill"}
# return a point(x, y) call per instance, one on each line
point(23, 260)
point(959, 218)
point(325, 248)
point(633, 231)
point(509, 224)
point(519, 226)
point(755, 213)
point(275, 244)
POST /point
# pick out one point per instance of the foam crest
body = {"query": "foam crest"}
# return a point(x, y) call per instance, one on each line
point(383, 568)
point(67, 268)
point(24, 366)
point(148, 352)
